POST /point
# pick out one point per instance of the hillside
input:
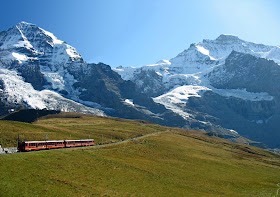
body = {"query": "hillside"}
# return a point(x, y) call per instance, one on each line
point(174, 162)
point(68, 125)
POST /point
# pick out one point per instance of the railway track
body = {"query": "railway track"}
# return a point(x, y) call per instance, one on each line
point(95, 146)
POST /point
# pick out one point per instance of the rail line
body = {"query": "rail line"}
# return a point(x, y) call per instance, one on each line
point(103, 145)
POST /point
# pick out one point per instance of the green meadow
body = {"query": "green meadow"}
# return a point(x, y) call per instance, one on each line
point(168, 162)
point(75, 126)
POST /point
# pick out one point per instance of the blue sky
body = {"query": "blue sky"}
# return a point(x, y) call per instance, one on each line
point(140, 32)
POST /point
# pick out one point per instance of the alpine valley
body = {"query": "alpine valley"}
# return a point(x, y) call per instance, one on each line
point(228, 87)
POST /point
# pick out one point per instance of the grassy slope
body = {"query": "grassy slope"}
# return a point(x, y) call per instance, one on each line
point(176, 163)
point(79, 126)
point(167, 164)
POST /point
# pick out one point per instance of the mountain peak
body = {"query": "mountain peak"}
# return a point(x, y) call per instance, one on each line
point(163, 62)
point(228, 37)
point(24, 25)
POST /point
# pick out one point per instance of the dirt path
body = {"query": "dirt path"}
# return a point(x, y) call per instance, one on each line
point(131, 139)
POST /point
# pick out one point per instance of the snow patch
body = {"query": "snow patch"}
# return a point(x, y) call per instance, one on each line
point(233, 131)
point(181, 95)
point(54, 39)
point(25, 43)
point(18, 91)
point(177, 98)
point(129, 101)
point(19, 57)
point(243, 94)
point(158, 73)
point(55, 79)
point(204, 51)
point(72, 52)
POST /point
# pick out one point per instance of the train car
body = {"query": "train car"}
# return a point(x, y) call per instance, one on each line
point(55, 144)
point(77, 143)
point(32, 145)
point(87, 142)
point(52, 144)
point(72, 143)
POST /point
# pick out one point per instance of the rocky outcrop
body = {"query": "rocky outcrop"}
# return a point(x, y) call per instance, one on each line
point(244, 71)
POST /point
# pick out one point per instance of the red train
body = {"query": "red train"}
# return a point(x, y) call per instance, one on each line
point(53, 144)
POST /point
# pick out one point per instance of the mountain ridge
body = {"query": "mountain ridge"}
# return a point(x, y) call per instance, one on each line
point(50, 74)
point(37, 70)
point(190, 83)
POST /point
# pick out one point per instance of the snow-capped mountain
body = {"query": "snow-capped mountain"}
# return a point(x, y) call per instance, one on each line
point(26, 43)
point(197, 60)
point(34, 66)
point(37, 70)
point(227, 81)
point(227, 86)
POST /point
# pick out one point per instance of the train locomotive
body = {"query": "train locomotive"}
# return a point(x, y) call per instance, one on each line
point(52, 144)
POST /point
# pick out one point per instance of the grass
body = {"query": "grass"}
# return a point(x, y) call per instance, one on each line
point(76, 126)
point(173, 163)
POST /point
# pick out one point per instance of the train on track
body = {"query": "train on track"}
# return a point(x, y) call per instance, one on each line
point(52, 144)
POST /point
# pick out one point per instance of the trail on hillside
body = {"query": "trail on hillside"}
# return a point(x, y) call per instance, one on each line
point(129, 140)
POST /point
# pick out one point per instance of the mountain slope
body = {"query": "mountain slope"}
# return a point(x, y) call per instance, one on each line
point(173, 163)
point(225, 82)
point(187, 66)
point(37, 70)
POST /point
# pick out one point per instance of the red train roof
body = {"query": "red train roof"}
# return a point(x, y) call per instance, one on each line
point(58, 141)
point(44, 141)
point(79, 140)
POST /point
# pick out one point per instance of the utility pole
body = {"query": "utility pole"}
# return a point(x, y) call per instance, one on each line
point(18, 140)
